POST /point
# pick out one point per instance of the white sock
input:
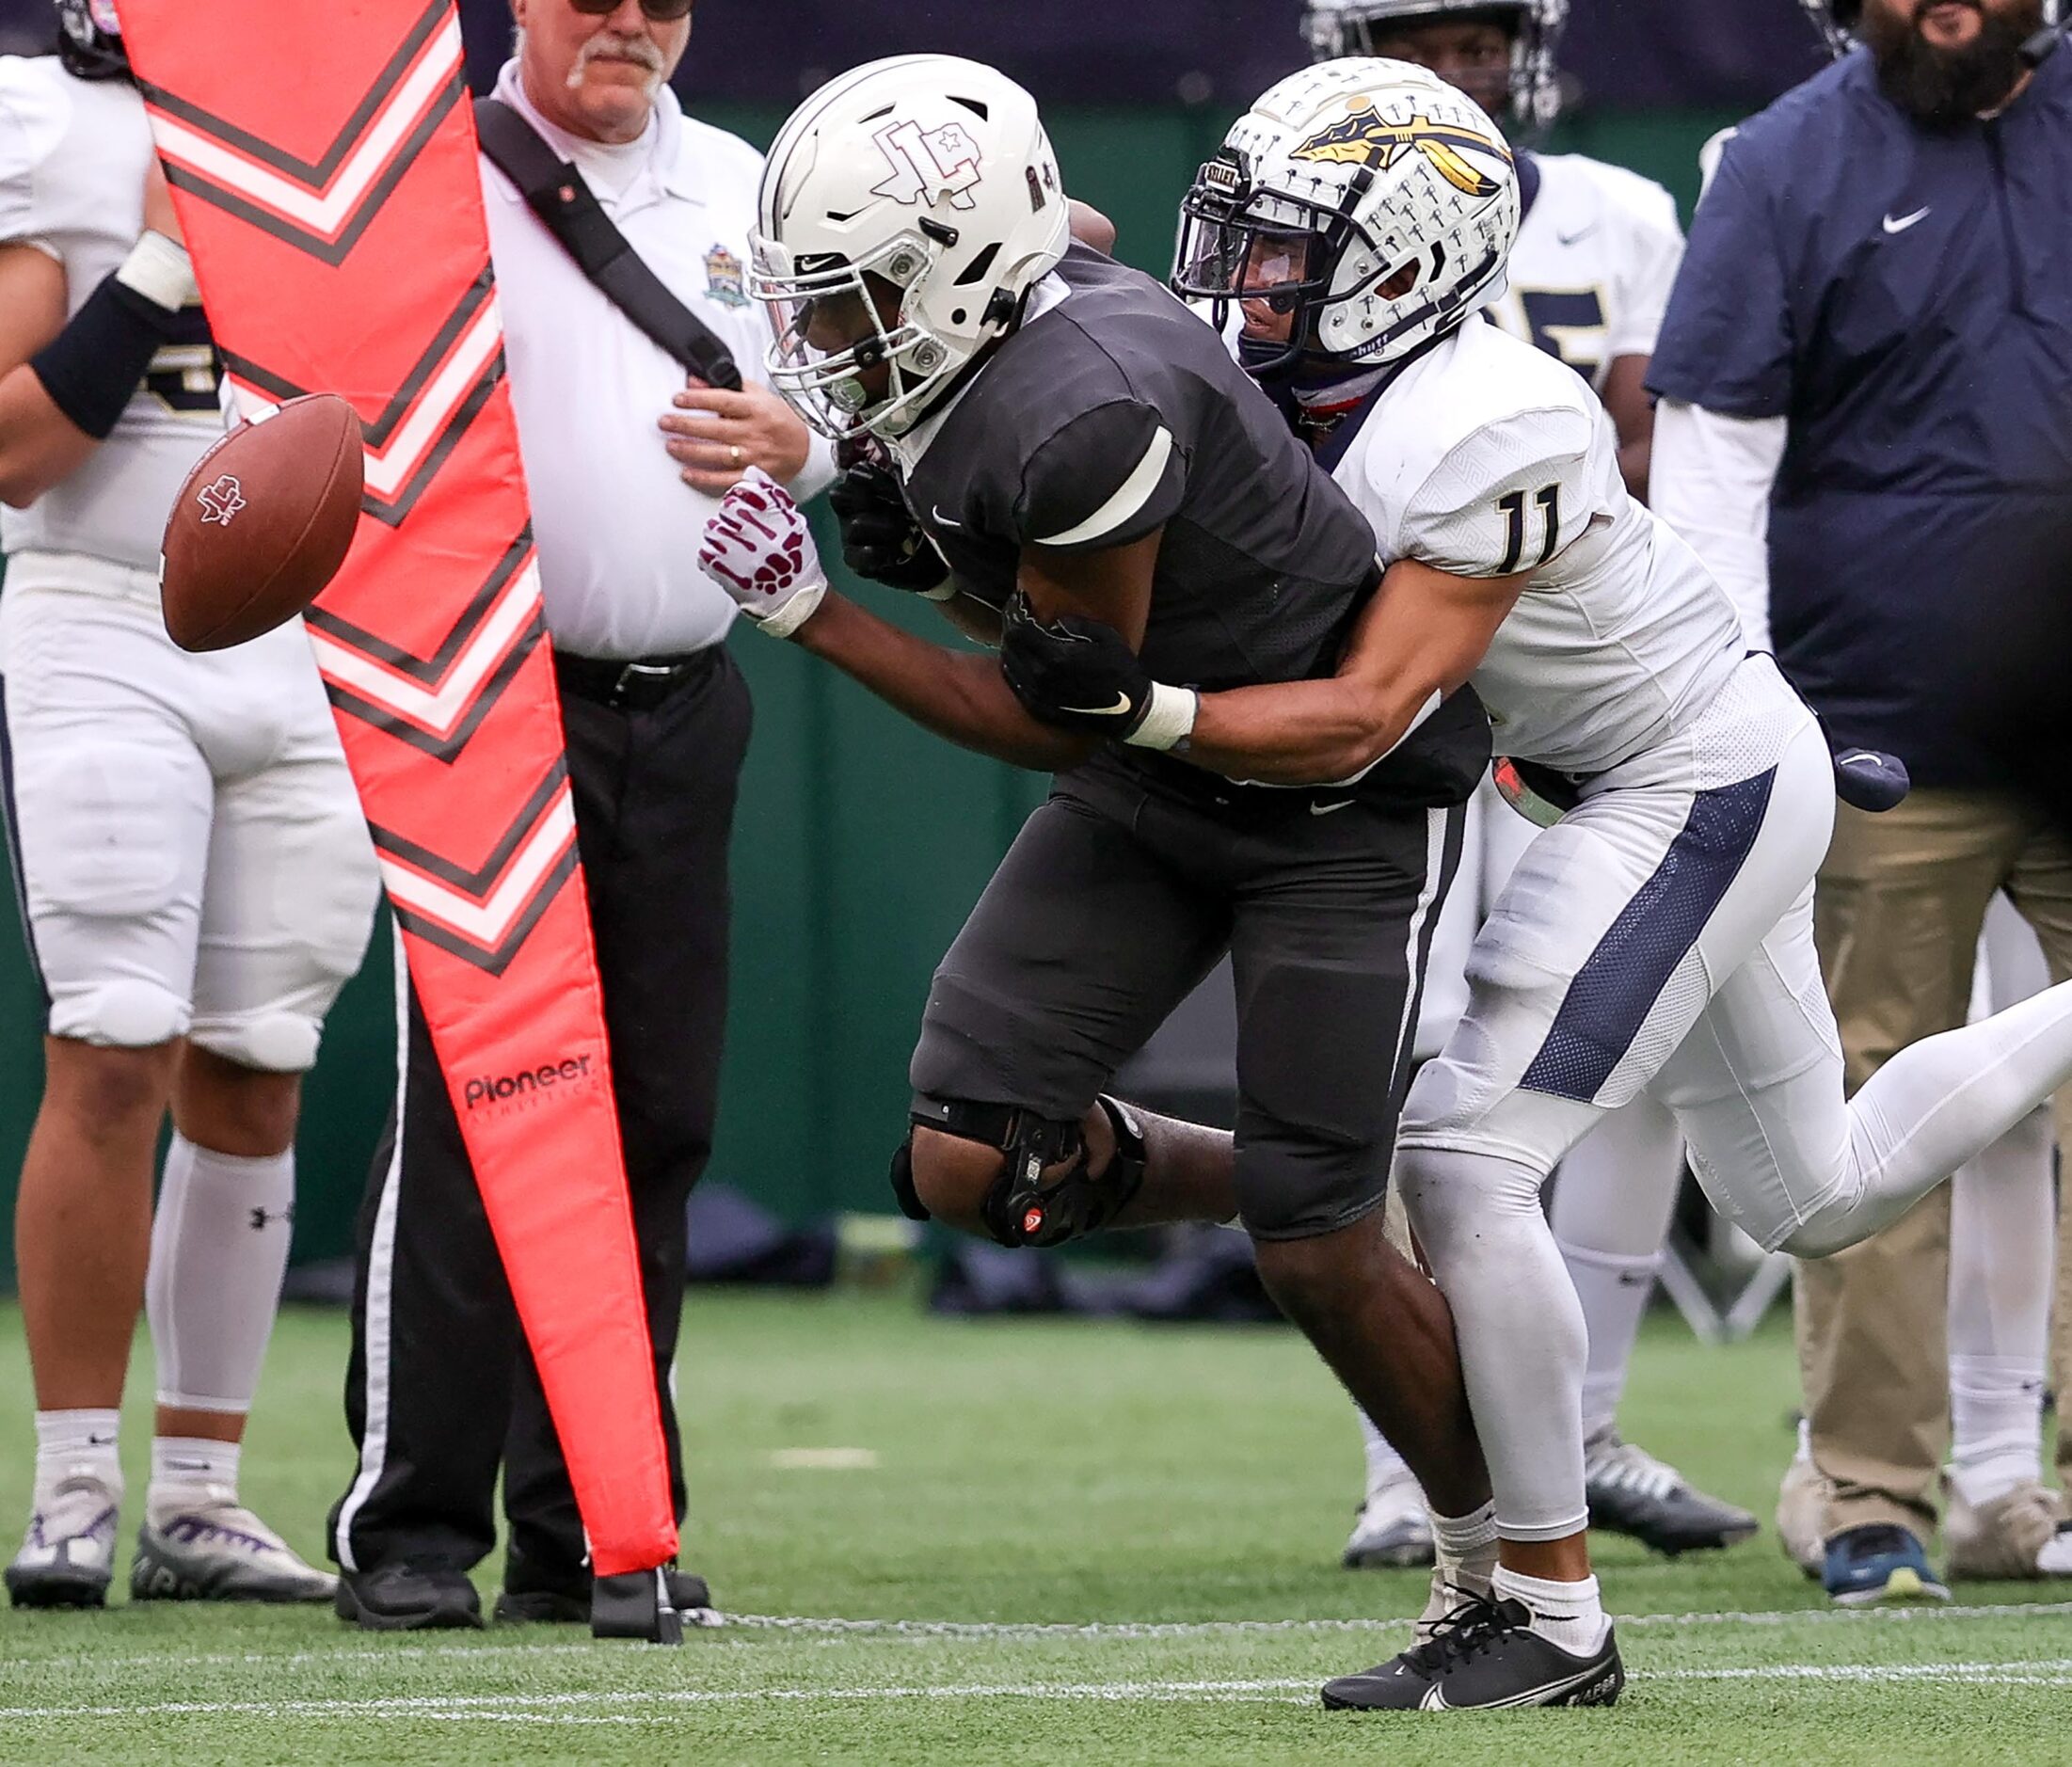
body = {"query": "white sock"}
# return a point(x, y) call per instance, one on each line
point(70, 1443)
point(1458, 1541)
point(188, 1471)
point(219, 1250)
point(1522, 1343)
point(1803, 1454)
point(1385, 1467)
point(1566, 1614)
point(1614, 1293)
point(1996, 1414)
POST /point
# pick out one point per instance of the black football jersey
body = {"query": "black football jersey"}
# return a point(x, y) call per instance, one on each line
point(1117, 412)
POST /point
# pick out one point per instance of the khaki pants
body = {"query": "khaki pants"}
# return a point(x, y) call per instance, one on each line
point(1901, 902)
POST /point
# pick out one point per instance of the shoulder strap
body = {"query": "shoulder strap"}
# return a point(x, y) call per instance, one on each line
point(554, 190)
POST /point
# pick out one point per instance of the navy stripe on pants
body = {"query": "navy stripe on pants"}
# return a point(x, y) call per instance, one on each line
point(1621, 979)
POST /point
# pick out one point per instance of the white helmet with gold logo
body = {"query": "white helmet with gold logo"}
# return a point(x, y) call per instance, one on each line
point(1368, 198)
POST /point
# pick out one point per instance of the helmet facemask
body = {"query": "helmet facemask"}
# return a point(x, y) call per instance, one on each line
point(826, 387)
point(1244, 246)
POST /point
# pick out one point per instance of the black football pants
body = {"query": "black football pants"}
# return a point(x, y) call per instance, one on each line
point(441, 1390)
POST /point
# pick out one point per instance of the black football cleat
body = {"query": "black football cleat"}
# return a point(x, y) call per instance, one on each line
point(408, 1597)
point(1632, 1493)
point(1483, 1657)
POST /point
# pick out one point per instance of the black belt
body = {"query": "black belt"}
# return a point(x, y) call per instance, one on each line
point(638, 686)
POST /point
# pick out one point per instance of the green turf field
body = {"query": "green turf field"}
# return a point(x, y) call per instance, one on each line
point(1054, 1542)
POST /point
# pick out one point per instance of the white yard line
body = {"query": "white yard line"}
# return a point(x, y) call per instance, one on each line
point(374, 1652)
point(641, 1706)
point(497, 1705)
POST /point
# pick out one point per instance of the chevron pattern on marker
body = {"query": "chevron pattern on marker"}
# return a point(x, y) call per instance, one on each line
point(437, 704)
point(321, 206)
point(325, 167)
point(483, 913)
point(420, 425)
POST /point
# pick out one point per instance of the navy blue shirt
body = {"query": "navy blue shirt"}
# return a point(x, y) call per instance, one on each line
point(1903, 297)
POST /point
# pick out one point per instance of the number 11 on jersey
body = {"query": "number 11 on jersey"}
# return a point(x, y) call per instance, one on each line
point(1513, 505)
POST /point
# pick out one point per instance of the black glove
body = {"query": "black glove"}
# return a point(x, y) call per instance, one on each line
point(881, 539)
point(1075, 673)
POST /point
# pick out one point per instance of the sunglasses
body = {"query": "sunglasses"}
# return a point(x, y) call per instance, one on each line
point(658, 11)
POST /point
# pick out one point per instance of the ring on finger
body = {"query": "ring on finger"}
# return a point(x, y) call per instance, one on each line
point(736, 454)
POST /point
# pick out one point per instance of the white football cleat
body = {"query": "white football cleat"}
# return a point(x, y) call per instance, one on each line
point(217, 1551)
point(1391, 1528)
point(69, 1552)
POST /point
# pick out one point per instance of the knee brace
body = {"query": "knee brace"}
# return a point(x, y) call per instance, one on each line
point(1021, 1208)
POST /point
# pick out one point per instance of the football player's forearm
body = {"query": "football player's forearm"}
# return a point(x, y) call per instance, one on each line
point(959, 695)
point(39, 445)
point(1303, 733)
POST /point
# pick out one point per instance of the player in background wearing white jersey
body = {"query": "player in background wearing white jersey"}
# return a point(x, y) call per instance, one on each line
point(1656, 936)
point(195, 875)
point(1597, 253)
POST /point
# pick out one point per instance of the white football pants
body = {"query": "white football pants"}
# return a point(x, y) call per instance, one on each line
point(1661, 936)
point(189, 849)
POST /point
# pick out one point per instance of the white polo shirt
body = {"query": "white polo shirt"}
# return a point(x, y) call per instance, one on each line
point(616, 526)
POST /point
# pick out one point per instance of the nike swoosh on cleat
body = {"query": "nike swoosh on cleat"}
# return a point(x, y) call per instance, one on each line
point(1122, 704)
point(1902, 223)
point(1545, 1693)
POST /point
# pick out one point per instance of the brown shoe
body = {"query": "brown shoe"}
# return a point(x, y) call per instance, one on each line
point(2002, 1539)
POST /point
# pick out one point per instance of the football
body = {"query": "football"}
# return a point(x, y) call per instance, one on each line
point(261, 524)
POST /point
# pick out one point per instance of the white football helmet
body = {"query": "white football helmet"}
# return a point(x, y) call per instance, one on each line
point(1348, 27)
point(930, 173)
point(1352, 177)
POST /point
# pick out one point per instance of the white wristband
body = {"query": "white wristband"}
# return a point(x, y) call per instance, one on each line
point(159, 269)
point(794, 613)
point(1168, 720)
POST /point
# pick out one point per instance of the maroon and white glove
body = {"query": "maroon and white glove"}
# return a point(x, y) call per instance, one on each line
point(759, 549)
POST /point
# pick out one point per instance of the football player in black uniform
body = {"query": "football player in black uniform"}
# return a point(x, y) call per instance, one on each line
point(1072, 440)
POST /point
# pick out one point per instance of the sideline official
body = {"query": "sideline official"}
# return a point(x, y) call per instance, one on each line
point(1864, 413)
point(623, 460)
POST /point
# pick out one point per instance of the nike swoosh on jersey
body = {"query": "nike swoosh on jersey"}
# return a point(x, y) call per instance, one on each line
point(942, 519)
point(1903, 222)
point(1580, 233)
point(1122, 704)
point(1325, 809)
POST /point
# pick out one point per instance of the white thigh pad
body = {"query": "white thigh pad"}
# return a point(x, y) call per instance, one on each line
point(108, 828)
point(111, 836)
point(292, 891)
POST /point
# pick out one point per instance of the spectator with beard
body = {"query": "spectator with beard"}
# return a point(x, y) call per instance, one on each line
point(1862, 382)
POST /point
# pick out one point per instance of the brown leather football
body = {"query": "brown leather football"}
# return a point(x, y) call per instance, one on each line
point(261, 524)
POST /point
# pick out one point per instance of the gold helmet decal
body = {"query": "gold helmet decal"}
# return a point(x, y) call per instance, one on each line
point(1363, 137)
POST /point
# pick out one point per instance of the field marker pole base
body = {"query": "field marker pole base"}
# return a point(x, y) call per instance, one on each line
point(635, 1604)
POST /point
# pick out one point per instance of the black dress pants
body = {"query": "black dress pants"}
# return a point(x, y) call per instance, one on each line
point(441, 1388)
